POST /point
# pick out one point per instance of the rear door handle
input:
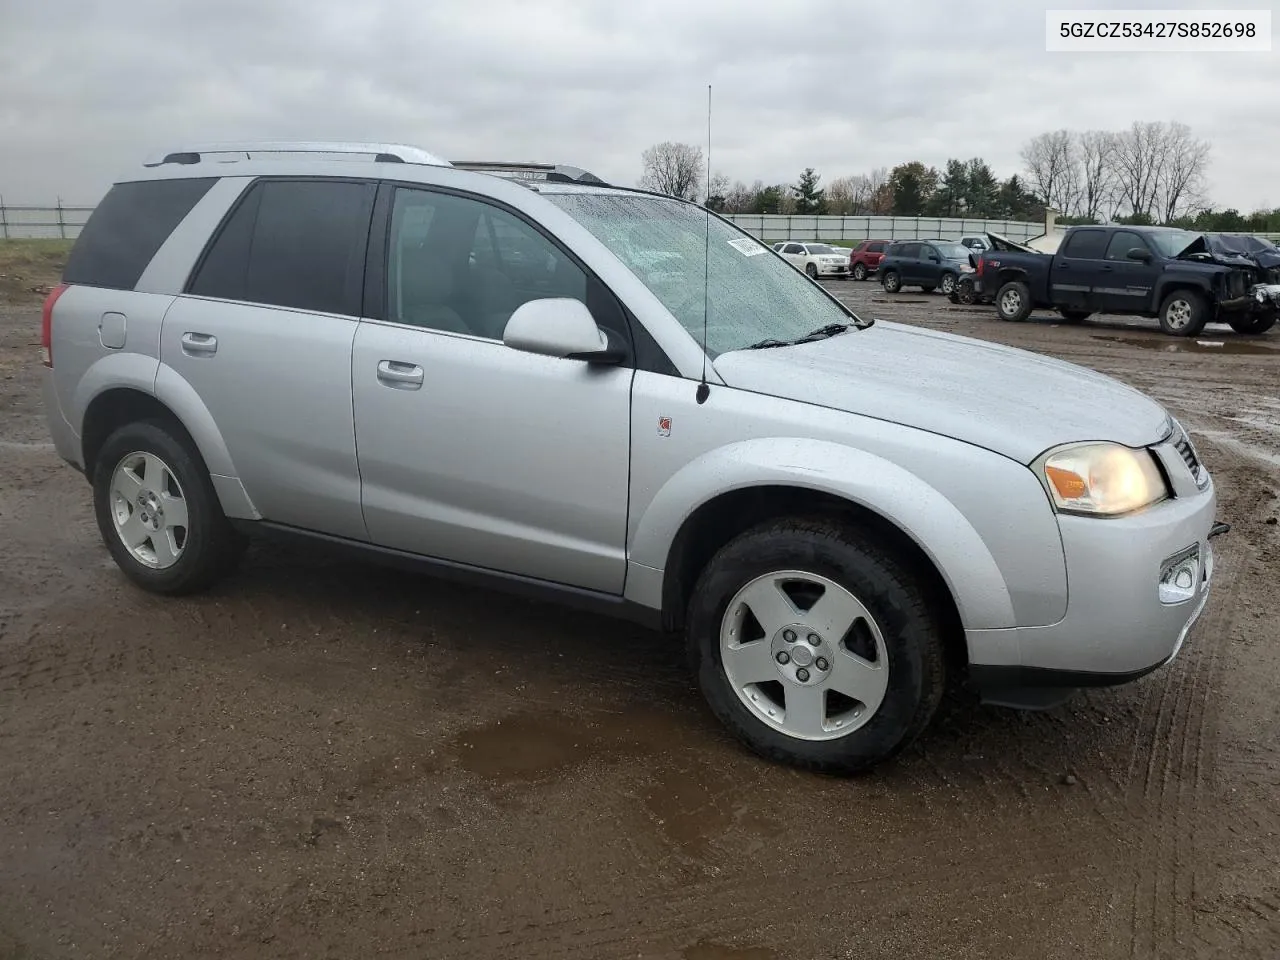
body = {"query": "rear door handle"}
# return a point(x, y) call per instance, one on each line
point(400, 375)
point(199, 344)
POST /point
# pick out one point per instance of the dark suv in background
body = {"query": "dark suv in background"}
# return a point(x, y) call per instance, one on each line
point(927, 264)
point(866, 257)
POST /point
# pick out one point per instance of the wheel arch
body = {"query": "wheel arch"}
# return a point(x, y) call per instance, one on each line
point(722, 493)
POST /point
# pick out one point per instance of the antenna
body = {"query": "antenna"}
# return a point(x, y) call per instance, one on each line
point(704, 389)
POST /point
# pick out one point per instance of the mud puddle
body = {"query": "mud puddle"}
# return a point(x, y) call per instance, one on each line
point(1193, 346)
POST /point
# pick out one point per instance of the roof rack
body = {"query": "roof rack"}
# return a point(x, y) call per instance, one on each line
point(381, 152)
point(552, 172)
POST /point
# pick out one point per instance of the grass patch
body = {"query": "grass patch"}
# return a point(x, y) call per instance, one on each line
point(29, 268)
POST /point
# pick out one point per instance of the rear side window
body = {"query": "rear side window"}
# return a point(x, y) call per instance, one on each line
point(1085, 245)
point(292, 243)
point(127, 228)
point(876, 248)
point(909, 250)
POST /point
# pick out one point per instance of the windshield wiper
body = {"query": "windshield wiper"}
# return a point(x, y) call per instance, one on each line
point(830, 330)
point(822, 333)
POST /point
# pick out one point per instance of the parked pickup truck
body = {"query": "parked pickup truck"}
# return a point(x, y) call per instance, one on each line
point(1184, 279)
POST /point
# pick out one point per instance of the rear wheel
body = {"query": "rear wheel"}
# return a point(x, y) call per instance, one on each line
point(1013, 301)
point(859, 271)
point(158, 513)
point(1183, 313)
point(815, 646)
point(1253, 323)
point(892, 283)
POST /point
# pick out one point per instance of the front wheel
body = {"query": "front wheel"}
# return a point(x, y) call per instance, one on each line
point(157, 510)
point(815, 646)
point(1183, 313)
point(1013, 301)
point(948, 284)
point(812, 271)
point(892, 283)
point(1251, 324)
point(859, 271)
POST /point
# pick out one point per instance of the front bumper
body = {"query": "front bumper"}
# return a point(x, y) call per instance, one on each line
point(1118, 625)
point(832, 269)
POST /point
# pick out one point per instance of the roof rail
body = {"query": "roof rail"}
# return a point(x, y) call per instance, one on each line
point(554, 172)
point(381, 152)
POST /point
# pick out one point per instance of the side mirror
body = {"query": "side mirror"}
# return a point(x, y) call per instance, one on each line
point(559, 327)
point(1141, 254)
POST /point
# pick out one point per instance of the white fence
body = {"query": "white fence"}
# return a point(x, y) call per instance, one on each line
point(771, 227)
point(65, 222)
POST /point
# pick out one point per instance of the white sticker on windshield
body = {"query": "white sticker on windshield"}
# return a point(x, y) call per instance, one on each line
point(747, 247)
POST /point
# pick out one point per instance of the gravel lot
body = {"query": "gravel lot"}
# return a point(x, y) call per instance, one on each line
point(329, 760)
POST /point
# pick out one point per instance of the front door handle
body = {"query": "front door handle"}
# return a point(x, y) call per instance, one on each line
point(400, 375)
point(199, 344)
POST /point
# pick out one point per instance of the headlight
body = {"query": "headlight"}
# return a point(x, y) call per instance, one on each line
point(1102, 478)
point(965, 268)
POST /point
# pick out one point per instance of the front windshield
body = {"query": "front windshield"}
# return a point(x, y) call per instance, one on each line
point(1170, 243)
point(752, 293)
point(953, 251)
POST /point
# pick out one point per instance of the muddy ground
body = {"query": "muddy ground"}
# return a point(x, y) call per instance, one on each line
point(321, 759)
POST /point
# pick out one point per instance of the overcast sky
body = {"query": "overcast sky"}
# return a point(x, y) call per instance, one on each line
point(88, 87)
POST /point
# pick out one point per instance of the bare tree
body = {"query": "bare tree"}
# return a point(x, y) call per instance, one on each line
point(673, 168)
point(717, 192)
point(1095, 149)
point(840, 195)
point(1139, 162)
point(879, 194)
point(1185, 160)
point(1053, 168)
point(739, 198)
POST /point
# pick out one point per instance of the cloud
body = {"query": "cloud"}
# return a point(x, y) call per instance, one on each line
point(88, 88)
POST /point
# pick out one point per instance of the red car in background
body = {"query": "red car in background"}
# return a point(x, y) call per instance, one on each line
point(866, 257)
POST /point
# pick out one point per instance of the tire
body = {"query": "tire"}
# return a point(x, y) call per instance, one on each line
point(1075, 316)
point(964, 291)
point(1253, 324)
point(811, 270)
point(891, 282)
point(151, 461)
point(902, 685)
point(859, 271)
point(1183, 313)
point(1013, 301)
point(948, 283)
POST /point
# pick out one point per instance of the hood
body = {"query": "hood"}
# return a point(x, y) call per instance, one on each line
point(1233, 250)
point(1006, 245)
point(1011, 401)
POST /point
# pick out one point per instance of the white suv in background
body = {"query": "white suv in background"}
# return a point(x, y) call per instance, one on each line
point(815, 259)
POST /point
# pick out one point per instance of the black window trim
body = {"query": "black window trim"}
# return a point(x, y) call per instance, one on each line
point(243, 198)
point(375, 308)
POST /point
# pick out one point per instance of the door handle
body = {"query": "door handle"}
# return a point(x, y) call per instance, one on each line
point(1064, 266)
point(400, 375)
point(199, 344)
point(1106, 269)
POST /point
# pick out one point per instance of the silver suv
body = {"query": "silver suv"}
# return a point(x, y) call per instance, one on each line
point(519, 375)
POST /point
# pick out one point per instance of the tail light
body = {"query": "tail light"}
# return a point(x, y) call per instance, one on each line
point(46, 322)
point(978, 269)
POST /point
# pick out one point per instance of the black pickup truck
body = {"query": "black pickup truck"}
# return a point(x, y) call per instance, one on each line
point(1184, 279)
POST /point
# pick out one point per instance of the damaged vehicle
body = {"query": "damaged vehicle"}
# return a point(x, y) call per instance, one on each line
point(969, 288)
point(1183, 279)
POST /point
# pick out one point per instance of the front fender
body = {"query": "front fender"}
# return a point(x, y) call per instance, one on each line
point(920, 511)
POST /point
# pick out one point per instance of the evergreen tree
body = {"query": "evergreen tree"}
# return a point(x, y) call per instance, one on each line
point(809, 199)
